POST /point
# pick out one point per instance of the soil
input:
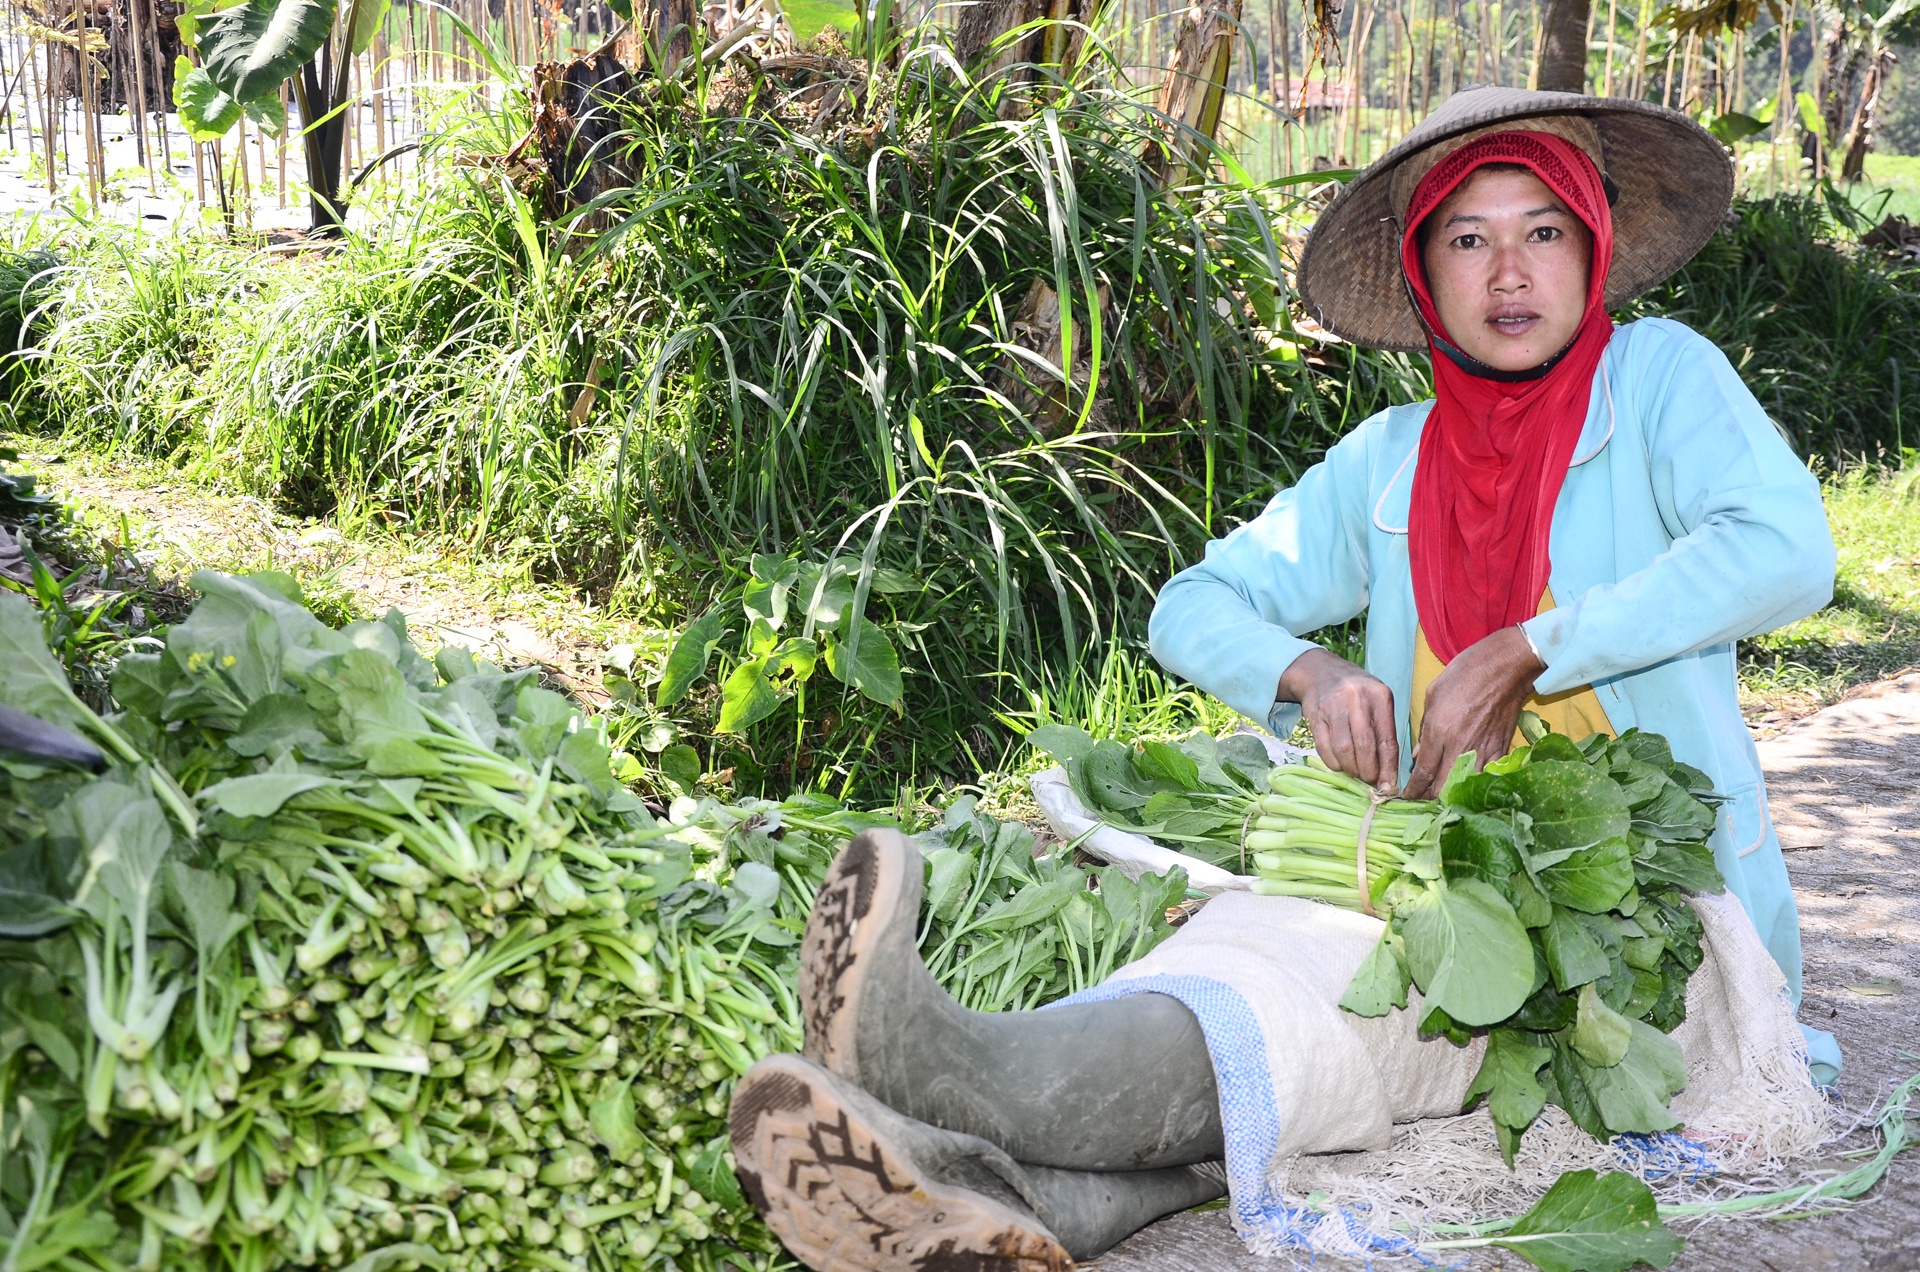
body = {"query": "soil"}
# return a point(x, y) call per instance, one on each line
point(1846, 801)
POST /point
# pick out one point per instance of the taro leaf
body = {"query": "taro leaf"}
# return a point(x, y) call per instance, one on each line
point(1574, 957)
point(1381, 983)
point(873, 667)
point(1632, 1095)
point(1509, 1077)
point(261, 794)
point(1591, 879)
point(824, 593)
point(1600, 1034)
point(1593, 1223)
point(206, 113)
point(747, 696)
point(1157, 761)
point(1571, 805)
point(768, 591)
point(949, 874)
point(33, 682)
point(367, 23)
point(1468, 953)
point(251, 49)
point(681, 765)
point(1062, 741)
point(1689, 866)
point(690, 656)
point(1108, 772)
point(613, 1120)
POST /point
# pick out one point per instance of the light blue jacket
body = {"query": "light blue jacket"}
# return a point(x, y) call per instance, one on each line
point(1686, 523)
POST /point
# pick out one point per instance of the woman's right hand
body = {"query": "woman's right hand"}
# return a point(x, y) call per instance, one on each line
point(1350, 713)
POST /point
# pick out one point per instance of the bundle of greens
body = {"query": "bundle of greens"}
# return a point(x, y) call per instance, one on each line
point(357, 958)
point(1192, 794)
point(1541, 901)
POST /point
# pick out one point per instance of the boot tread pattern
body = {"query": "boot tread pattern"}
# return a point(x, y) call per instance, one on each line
point(845, 1200)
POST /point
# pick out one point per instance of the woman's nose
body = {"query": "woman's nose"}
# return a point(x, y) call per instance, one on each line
point(1508, 274)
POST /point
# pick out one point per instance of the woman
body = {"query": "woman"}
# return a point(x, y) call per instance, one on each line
point(1582, 523)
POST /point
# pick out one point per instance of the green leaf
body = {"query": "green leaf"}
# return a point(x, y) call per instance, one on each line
point(614, 1121)
point(824, 593)
point(747, 696)
point(270, 113)
point(205, 900)
point(1381, 982)
point(681, 764)
point(261, 794)
point(1592, 879)
point(205, 112)
point(1600, 1034)
point(1573, 956)
point(1733, 126)
point(1111, 782)
point(690, 656)
point(33, 681)
point(1468, 953)
point(1509, 1077)
point(584, 757)
point(1689, 866)
point(873, 668)
point(1632, 1095)
point(34, 883)
point(1572, 806)
point(1593, 1223)
point(767, 592)
point(1157, 760)
point(1062, 741)
point(949, 878)
point(250, 50)
point(367, 22)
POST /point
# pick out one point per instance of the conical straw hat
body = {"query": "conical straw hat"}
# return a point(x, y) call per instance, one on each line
point(1675, 184)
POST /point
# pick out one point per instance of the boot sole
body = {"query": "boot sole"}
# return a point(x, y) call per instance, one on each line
point(845, 1198)
point(867, 877)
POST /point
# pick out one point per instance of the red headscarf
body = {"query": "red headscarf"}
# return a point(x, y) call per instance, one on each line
point(1494, 451)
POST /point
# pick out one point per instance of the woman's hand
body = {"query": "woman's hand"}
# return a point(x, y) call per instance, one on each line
point(1350, 713)
point(1474, 705)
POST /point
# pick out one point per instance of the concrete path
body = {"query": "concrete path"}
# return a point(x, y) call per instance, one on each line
point(1845, 789)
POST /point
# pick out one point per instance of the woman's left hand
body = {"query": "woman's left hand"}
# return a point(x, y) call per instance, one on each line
point(1473, 705)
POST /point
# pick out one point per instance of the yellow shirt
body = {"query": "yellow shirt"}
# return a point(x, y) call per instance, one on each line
point(1574, 712)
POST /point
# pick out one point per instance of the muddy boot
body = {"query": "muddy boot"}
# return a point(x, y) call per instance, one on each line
point(1124, 1085)
point(852, 1186)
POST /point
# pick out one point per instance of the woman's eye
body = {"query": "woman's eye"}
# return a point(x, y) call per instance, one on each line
point(1547, 233)
point(1467, 241)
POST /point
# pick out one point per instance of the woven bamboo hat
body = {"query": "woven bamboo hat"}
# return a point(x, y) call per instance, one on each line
point(1675, 184)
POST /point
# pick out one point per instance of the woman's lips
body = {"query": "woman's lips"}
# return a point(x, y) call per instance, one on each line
point(1513, 320)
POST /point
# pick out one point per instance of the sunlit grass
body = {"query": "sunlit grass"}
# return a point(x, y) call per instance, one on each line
point(1872, 628)
point(810, 17)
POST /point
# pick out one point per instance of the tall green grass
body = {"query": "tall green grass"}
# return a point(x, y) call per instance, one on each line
point(1825, 333)
point(796, 345)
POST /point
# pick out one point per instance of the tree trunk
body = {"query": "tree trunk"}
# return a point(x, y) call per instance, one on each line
point(1563, 58)
point(1860, 137)
point(1196, 84)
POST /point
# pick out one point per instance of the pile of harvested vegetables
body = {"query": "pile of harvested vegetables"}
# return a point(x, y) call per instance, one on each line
point(356, 958)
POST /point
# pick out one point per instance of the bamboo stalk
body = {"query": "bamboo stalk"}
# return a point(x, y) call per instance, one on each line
point(1613, 30)
point(137, 29)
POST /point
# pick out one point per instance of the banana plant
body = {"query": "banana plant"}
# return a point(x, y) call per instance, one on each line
point(247, 51)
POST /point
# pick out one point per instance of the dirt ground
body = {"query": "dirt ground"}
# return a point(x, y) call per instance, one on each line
point(1845, 790)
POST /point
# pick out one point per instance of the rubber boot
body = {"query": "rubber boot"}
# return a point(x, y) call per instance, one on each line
point(850, 1185)
point(1122, 1085)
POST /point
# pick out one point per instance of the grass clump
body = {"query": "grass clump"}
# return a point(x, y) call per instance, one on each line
point(1823, 332)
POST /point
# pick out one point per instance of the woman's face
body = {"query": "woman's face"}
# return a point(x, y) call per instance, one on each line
point(1507, 265)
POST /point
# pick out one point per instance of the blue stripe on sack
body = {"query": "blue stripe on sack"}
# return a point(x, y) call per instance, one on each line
point(1261, 1214)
